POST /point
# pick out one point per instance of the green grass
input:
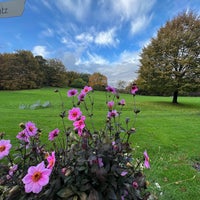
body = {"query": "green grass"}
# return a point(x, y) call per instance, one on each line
point(170, 133)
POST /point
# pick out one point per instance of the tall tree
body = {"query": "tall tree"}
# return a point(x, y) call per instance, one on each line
point(98, 81)
point(171, 62)
point(56, 73)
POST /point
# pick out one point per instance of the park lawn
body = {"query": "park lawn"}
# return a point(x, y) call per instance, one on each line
point(169, 132)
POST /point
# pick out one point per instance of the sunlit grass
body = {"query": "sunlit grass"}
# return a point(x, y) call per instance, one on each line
point(169, 132)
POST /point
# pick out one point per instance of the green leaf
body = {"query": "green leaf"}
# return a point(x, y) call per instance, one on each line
point(65, 193)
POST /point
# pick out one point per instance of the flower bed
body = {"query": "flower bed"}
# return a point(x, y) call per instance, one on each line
point(83, 163)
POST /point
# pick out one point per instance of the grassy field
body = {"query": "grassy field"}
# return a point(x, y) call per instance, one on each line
point(170, 133)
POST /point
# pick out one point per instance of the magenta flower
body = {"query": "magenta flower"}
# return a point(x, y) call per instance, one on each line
point(135, 184)
point(72, 92)
point(112, 113)
point(87, 89)
point(11, 171)
point(37, 177)
point(31, 128)
point(23, 135)
point(100, 162)
point(110, 105)
point(4, 148)
point(51, 160)
point(111, 89)
point(53, 134)
point(81, 96)
point(124, 173)
point(134, 89)
point(122, 102)
point(146, 160)
point(79, 124)
point(74, 114)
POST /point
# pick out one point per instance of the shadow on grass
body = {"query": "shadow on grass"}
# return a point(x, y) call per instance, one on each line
point(177, 105)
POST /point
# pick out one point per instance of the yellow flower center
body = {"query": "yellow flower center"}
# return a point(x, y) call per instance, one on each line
point(2, 148)
point(36, 176)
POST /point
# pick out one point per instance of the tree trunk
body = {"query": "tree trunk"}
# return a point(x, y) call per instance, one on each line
point(175, 97)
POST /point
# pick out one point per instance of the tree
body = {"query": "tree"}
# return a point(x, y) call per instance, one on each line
point(19, 70)
point(171, 62)
point(56, 71)
point(98, 81)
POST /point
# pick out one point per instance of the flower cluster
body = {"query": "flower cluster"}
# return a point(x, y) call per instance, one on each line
point(87, 164)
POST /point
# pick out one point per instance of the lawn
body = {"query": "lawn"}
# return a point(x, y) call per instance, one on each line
point(170, 133)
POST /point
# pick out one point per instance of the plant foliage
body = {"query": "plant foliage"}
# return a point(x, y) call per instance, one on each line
point(83, 163)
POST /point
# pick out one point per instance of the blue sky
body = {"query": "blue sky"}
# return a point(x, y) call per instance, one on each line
point(89, 36)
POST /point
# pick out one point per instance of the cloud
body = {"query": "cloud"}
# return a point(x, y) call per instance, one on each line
point(79, 9)
point(48, 32)
point(106, 38)
point(125, 68)
point(84, 37)
point(139, 24)
point(40, 50)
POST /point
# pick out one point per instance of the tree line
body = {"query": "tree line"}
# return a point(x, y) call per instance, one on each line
point(23, 70)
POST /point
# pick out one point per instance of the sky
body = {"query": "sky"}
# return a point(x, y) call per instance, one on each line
point(105, 36)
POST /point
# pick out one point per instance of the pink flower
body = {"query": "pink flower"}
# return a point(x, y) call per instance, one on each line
point(122, 102)
point(112, 113)
point(135, 185)
point(134, 89)
point(111, 89)
point(31, 128)
point(81, 96)
point(110, 105)
point(11, 171)
point(51, 160)
point(100, 162)
point(4, 148)
point(53, 134)
point(80, 124)
point(72, 92)
point(37, 177)
point(124, 173)
point(23, 135)
point(87, 89)
point(146, 160)
point(74, 114)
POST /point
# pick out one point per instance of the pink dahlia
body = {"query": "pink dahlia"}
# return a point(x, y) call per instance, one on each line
point(146, 160)
point(74, 114)
point(51, 160)
point(81, 96)
point(23, 135)
point(112, 113)
point(122, 102)
point(134, 89)
point(110, 105)
point(72, 92)
point(111, 89)
point(80, 124)
point(53, 134)
point(37, 177)
point(31, 128)
point(4, 148)
point(87, 89)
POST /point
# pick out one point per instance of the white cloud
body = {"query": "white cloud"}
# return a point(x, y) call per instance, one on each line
point(40, 50)
point(48, 32)
point(78, 8)
point(106, 38)
point(125, 68)
point(139, 24)
point(84, 37)
point(92, 59)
